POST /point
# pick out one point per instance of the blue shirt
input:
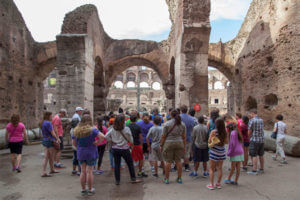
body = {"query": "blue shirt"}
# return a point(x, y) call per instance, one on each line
point(144, 129)
point(189, 123)
point(46, 131)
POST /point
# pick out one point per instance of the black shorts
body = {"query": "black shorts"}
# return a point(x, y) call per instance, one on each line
point(16, 147)
point(200, 155)
point(61, 143)
point(256, 149)
point(145, 148)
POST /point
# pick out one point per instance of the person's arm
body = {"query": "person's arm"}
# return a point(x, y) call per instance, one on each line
point(193, 135)
point(184, 140)
point(55, 136)
point(250, 129)
point(147, 140)
point(108, 135)
point(128, 134)
point(275, 128)
point(25, 136)
point(163, 137)
point(74, 143)
point(100, 137)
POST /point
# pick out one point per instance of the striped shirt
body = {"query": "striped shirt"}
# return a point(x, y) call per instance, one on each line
point(256, 124)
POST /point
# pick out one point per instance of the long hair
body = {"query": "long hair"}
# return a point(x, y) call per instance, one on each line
point(46, 117)
point(85, 127)
point(214, 115)
point(100, 120)
point(175, 115)
point(245, 119)
point(15, 119)
point(233, 127)
point(220, 126)
point(119, 123)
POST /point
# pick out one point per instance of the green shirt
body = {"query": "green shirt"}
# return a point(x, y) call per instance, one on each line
point(129, 121)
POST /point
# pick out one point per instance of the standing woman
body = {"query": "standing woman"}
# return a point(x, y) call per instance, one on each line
point(102, 145)
point(246, 140)
point(120, 136)
point(217, 153)
point(15, 135)
point(280, 128)
point(173, 142)
point(49, 137)
point(87, 152)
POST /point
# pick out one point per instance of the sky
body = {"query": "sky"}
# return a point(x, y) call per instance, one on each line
point(129, 19)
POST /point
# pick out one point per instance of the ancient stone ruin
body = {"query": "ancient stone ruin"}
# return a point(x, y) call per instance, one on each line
point(261, 63)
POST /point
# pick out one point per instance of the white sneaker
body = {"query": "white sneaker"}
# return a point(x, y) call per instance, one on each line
point(91, 192)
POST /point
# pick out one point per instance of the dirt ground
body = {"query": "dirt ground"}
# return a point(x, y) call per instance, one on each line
point(278, 182)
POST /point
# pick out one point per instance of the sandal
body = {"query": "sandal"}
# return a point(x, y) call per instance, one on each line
point(46, 175)
point(54, 172)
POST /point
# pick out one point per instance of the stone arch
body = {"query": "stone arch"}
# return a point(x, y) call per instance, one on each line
point(100, 90)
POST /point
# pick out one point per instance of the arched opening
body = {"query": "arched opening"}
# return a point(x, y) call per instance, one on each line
point(218, 97)
point(146, 97)
point(118, 85)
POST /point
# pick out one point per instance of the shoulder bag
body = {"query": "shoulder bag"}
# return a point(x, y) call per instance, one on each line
point(162, 146)
point(274, 134)
point(129, 143)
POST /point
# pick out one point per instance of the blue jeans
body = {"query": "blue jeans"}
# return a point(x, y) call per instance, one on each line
point(111, 159)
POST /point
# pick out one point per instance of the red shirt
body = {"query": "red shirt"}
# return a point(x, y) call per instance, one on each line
point(56, 122)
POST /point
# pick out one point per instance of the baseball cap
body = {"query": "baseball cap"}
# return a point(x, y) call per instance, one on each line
point(79, 109)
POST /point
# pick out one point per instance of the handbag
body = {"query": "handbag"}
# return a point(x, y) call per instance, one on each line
point(274, 134)
point(55, 144)
point(214, 140)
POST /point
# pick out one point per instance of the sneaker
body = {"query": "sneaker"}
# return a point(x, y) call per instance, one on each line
point(142, 174)
point(74, 172)
point(91, 192)
point(59, 165)
point(78, 173)
point(283, 162)
point(234, 183)
point(179, 180)
point(18, 170)
point(99, 172)
point(205, 174)
point(261, 171)
point(228, 181)
point(218, 186)
point(210, 187)
point(274, 158)
point(166, 181)
point(252, 173)
point(187, 169)
point(155, 175)
point(193, 174)
point(83, 192)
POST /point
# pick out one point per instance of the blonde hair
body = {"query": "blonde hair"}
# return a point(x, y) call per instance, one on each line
point(85, 127)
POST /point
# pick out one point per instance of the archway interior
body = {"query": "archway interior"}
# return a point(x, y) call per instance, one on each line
point(218, 86)
point(124, 91)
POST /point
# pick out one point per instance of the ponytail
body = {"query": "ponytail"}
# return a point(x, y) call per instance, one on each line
point(175, 115)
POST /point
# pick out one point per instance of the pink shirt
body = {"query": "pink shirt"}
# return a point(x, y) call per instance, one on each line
point(57, 122)
point(104, 133)
point(15, 133)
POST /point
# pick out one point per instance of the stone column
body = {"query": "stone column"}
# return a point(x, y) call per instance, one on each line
point(191, 68)
point(75, 69)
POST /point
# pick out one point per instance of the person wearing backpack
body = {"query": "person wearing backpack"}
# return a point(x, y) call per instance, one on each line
point(15, 135)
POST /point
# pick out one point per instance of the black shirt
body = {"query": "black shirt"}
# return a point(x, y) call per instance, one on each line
point(136, 132)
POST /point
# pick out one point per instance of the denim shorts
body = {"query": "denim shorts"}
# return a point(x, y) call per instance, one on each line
point(47, 143)
point(91, 162)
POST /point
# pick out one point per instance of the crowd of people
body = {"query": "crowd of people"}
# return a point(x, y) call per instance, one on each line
point(169, 143)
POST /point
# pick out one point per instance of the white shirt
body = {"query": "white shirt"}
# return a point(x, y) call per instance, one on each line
point(76, 116)
point(281, 127)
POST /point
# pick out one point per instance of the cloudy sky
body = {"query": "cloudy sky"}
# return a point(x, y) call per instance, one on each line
point(129, 19)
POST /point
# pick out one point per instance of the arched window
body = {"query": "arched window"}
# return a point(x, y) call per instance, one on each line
point(131, 84)
point(156, 86)
point(118, 85)
point(219, 85)
point(144, 85)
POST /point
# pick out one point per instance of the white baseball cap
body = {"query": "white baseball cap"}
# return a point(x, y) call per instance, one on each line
point(79, 109)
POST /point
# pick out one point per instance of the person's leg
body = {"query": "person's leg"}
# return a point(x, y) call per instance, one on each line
point(238, 170)
point(179, 168)
point(13, 160)
point(141, 164)
point(205, 166)
point(117, 163)
point(83, 176)
point(220, 171)
point(19, 157)
point(127, 157)
point(196, 166)
point(280, 148)
point(111, 159)
point(90, 176)
point(45, 161)
point(167, 169)
point(261, 156)
point(187, 156)
point(57, 156)
point(232, 169)
point(245, 156)
point(52, 153)
point(155, 166)
point(212, 167)
point(261, 162)
point(254, 162)
point(101, 150)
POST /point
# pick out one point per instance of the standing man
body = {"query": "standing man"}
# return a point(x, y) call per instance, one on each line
point(189, 123)
point(256, 148)
point(156, 113)
point(58, 129)
point(78, 113)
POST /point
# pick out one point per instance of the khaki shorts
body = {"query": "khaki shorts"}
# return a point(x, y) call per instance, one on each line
point(173, 151)
point(188, 149)
point(156, 155)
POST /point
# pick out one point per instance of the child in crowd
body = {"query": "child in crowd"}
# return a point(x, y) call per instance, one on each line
point(246, 140)
point(155, 133)
point(200, 140)
point(102, 145)
point(137, 151)
point(235, 152)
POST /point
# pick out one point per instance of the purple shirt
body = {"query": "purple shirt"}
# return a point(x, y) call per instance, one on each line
point(86, 150)
point(145, 129)
point(235, 147)
point(46, 131)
